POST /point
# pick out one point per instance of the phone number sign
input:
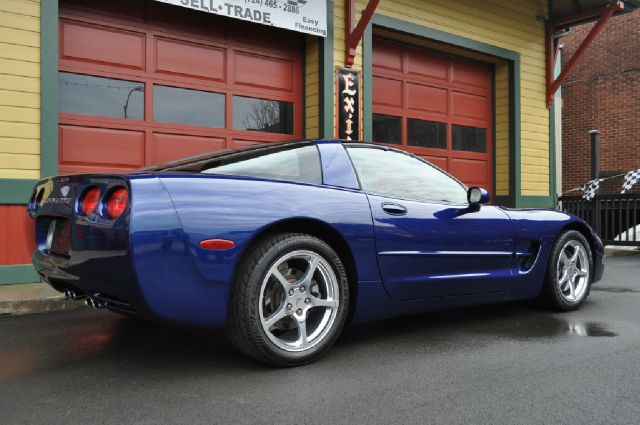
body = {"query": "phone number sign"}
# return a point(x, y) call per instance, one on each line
point(307, 16)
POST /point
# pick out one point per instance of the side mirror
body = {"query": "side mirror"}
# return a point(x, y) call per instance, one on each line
point(477, 196)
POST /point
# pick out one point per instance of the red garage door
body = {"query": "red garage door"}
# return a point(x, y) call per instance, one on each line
point(436, 106)
point(142, 82)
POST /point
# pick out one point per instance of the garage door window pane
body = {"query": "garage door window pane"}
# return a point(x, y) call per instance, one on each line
point(387, 129)
point(186, 106)
point(104, 97)
point(270, 116)
point(471, 139)
point(426, 134)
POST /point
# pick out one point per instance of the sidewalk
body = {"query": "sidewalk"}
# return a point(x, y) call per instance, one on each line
point(33, 298)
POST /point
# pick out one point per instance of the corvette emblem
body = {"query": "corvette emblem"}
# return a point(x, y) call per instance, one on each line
point(64, 190)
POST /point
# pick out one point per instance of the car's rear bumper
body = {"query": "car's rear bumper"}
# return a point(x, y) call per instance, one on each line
point(106, 279)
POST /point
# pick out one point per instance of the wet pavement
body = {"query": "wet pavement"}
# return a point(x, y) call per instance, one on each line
point(510, 364)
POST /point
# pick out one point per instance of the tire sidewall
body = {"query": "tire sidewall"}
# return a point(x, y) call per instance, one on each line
point(278, 247)
point(552, 275)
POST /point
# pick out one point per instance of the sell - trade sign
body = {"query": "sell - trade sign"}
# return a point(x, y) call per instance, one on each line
point(307, 16)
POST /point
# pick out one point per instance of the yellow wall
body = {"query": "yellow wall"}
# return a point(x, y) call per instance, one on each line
point(511, 25)
point(502, 128)
point(312, 88)
point(20, 89)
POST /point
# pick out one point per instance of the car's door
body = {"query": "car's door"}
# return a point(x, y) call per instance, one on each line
point(430, 242)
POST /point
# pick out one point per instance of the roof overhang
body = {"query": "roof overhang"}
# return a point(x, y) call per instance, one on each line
point(575, 12)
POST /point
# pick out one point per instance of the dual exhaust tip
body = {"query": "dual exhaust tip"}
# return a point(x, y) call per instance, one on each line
point(91, 302)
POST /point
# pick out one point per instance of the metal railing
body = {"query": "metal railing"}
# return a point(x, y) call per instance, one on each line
point(615, 218)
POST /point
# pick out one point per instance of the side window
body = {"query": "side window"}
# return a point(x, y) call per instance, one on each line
point(293, 163)
point(398, 175)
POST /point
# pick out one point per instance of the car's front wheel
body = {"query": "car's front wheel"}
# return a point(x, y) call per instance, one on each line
point(569, 272)
point(289, 301)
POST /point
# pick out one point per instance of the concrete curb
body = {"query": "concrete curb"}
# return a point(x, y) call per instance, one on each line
point(620, 251)
point(32, 298)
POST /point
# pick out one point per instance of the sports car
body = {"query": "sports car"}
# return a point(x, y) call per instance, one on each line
point(281, 245)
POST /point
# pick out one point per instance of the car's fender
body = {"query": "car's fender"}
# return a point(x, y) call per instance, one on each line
point(239, 209)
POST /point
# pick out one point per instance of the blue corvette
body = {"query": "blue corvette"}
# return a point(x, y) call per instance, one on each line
point(282, 245)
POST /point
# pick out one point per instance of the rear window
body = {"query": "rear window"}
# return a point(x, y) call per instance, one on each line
point(293, 163)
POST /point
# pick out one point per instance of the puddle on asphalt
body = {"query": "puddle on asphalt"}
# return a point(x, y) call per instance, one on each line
point(589, 329)
point(549, 326)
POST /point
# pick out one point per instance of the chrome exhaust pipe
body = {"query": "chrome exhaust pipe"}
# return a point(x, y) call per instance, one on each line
point(75, 296)
point(67, 294)
point(89, 302)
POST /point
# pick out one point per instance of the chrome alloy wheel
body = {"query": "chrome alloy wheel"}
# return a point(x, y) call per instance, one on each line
point(298, 300)
point(573, 271)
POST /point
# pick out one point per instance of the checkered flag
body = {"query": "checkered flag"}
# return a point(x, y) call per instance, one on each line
point(630, 179)
point(589, 190)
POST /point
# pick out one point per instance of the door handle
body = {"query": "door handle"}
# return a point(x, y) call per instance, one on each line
point(394, 209)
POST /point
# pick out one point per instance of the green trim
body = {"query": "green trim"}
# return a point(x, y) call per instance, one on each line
point(553, 171)
point(458, 41)
point(367, 84)
point(23, 273)
point(504, 200)
point(515, 175)
point(15, 191)
point(527, 201)
point(326, 78)
point(552, 151)
point(49, 88)
point(304, 87)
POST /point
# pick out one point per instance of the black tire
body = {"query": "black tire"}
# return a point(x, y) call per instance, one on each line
point(553, 296)
point(245, 324)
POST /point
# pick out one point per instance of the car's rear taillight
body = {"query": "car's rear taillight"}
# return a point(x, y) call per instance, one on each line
point(117, 202)
point(89, 201)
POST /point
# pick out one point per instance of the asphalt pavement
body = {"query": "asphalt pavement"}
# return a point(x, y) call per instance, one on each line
point(498, 364)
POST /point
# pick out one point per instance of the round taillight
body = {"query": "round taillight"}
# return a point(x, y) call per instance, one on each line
point(117, 202)
point(90, 201)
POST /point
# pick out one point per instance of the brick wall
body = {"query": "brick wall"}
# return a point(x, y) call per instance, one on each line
point(603, 93)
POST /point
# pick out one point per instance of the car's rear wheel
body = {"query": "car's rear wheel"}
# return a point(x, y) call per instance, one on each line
point(569, 272)
point(289, 301)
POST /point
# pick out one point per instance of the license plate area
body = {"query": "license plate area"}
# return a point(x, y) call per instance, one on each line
point(58, 237)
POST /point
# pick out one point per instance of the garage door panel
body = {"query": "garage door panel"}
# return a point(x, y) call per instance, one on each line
point(196, 60)
point(426, 98)
point(447, 111)
point(471, 73)
point(470, 171)
point(131, 10)
point(264, 71)
point(388, 57)
point(101, 146)
point(470, 105)
point(388, 92)
point(242, 143)
point(427, 65)
point(174, 18)
point(93, 43)
point(92, 169)
point(438, 161)
point(167, 147)
point(174, 78)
